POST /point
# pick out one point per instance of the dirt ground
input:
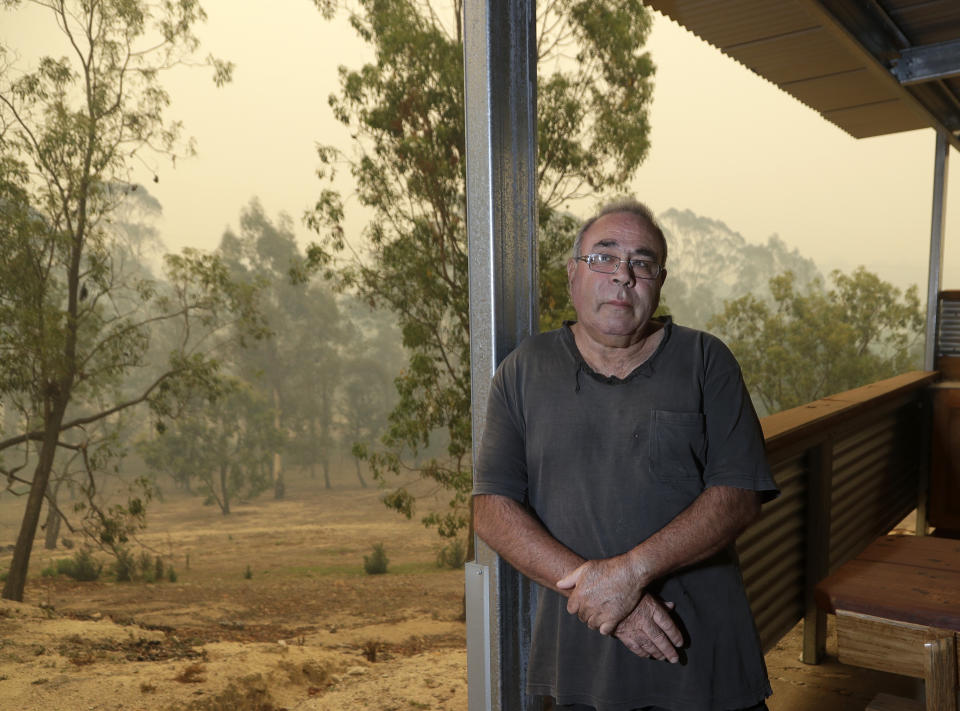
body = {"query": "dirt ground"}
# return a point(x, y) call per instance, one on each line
point(307, 630)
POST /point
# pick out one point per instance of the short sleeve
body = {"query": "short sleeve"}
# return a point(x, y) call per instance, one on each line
point(501, 462)
point(736, 455)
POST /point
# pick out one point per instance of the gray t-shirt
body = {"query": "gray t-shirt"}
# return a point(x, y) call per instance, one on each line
point(604, 463)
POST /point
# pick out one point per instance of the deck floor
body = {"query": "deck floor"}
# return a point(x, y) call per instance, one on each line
point(830, 685)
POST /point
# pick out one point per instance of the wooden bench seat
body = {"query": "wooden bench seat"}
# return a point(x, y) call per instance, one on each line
point(898, 610)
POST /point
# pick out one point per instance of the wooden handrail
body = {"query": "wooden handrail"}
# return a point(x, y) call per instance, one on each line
point(814, 419)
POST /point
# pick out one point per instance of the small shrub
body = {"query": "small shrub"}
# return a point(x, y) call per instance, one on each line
point(453, 555)
point(158, 569)
point(171, 574)
point(83, 567)
point(145, 565)
point(248, 573)
point(376, 563)
point(124, 566)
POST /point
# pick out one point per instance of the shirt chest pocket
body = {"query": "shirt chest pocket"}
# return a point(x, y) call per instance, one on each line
point(677, 446)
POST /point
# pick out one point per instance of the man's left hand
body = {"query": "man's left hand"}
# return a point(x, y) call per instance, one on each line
point(604, 592)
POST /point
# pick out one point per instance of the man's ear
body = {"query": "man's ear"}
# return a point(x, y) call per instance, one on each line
point(571, 267)
point(662, 276)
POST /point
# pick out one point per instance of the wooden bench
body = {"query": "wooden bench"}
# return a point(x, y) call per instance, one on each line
point(898, 610)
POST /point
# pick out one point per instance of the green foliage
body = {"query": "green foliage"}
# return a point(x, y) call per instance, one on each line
point(111, 527)
point(171, 574)
point(809, 343)
point(82, 566)
point(74, 323)
point(452, 555)
point(298, 370)
point(248, 573)
point(221, 442)
point(145, 565)
point(406, 113)
point(124, 566)
point(376, 563)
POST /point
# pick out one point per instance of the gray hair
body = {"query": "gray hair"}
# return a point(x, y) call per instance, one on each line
point(631, 207)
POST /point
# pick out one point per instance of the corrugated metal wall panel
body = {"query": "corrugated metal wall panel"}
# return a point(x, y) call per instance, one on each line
point(772, 553)
point(874, 480)
point(948, 328)
point(873, 486)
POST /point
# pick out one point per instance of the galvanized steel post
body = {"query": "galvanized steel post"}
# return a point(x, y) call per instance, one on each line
point(500, 75)
point(938, 220)
point(934, 277)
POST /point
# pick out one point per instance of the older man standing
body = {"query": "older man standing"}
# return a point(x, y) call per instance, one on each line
point(620, 460)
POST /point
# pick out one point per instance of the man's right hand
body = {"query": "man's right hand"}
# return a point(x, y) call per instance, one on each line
point(649, 631)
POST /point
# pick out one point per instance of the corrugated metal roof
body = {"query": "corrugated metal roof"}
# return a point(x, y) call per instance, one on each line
point(838, 56)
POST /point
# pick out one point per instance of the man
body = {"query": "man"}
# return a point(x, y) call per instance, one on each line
point(621, 458)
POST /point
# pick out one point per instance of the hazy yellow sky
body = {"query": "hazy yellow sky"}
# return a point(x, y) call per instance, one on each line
point(725, 144)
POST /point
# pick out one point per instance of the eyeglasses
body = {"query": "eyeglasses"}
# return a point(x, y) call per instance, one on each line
point(609, 264)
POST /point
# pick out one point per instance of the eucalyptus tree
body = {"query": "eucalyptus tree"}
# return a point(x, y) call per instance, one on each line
point(405, 111)
point(297, 368)
point(72, 129)
point(710, 263)
point(811, 341)
point(221, 445)
point(373, 358)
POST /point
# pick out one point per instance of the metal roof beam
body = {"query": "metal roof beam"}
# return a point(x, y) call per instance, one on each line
point(928, 62)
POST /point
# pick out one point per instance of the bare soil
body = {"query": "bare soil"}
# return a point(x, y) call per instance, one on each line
point(308, 630)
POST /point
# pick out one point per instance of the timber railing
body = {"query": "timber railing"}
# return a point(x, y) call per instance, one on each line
point(849, 467)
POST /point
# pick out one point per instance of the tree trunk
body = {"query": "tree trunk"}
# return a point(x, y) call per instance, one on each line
point(17, 576)
point(326, 470)
point(313, 447)
point(224, 493)
point(279, 488)
point(325, 439)
point(52, 526)
point(363, 482)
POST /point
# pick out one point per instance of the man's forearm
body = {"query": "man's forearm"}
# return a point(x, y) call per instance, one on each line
point(603, 592)
point(710, 524)
point(521, 539)
point(513, 532)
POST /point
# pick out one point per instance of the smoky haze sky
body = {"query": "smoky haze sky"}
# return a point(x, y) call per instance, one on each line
point(725, 144)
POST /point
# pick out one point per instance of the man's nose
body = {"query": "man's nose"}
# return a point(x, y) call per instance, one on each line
point(624, 275)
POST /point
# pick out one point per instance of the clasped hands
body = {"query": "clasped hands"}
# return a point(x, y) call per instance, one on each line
point(608, 596)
